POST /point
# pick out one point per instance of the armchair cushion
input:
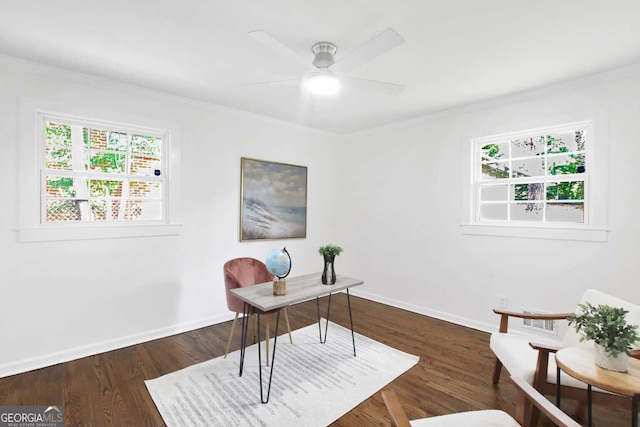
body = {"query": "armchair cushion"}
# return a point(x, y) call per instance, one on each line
point(517, 356)
point(485, 418)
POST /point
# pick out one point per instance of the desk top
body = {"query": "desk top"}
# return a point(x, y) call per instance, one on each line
point(580, 364)
point(299, 289)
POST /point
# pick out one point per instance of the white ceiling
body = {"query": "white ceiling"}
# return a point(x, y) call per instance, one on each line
point(456, 52)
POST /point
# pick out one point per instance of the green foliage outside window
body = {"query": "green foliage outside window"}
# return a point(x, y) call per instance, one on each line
point(570, 163)
point(58, 134)
point(149, 145)
point(104, 151)
point(493, 151)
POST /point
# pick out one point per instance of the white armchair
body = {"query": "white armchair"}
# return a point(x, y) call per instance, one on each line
point(535, 362)
point(528, 398)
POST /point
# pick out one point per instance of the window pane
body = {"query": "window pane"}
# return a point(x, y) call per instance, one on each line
point(570, 190)
point(57, 134)
point(117, 141)
point(148, 145)
point(103, 188)
point(494, 193)
point(99, 210)
point(533, 191)
point(495, 151)
point(95, 138)
point(57, 146)
point(565, 142)
point(565, 164)
point(108, 162)
point(144, 165)
point(143, 210)
point(529, 167)
point(526, 147)
point(58, 158)
point(526, 212)
point(495, 170)
point(493, 212)
point(62, 210)
point(106, 210)
point(565, 212)
point(142, 189)
point(58, 186)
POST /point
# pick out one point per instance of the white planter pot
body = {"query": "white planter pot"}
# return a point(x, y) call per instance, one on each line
point(620, 363)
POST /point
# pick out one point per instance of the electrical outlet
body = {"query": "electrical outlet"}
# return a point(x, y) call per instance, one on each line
point(502, 301)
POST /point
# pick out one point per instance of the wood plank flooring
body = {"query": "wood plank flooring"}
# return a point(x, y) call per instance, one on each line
point(454, 372)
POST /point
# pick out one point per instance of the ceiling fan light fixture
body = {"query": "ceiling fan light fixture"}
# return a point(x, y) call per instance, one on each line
point(323, 83)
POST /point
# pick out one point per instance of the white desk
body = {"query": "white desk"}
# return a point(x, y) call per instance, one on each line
point(299, 289)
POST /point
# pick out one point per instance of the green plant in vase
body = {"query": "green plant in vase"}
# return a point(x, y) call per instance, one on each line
point(607, 328)
point(329, 252)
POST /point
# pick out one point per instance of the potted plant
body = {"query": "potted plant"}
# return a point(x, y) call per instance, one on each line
point(329, 252)
point(607, 327)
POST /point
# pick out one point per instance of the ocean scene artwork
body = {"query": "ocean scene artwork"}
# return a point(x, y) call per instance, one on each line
point(273, 200)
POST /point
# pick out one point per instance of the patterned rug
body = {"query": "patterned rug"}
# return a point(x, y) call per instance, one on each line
point(313, 384)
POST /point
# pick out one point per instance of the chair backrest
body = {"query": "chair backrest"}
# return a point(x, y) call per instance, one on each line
point(241, 272)
point(595, 297)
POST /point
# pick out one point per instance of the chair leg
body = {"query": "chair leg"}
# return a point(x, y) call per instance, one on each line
point(233, 327)
point(496, 371)
point(286, 318)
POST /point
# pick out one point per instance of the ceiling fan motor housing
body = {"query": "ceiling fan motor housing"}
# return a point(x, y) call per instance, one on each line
point(324, 52)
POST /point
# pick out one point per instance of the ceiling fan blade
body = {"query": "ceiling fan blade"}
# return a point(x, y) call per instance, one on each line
point(280, 48)
point(383, 42)
point(371, 85)
point(290, 82)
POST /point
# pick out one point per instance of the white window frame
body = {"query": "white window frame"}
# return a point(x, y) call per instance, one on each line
point(595, 201)
point(32, 225)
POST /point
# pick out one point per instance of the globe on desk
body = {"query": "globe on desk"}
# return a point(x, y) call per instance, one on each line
point(279, 264)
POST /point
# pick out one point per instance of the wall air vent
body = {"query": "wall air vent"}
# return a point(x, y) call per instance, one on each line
point(547, 326)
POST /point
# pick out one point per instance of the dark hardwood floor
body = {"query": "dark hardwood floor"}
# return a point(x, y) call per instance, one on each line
point(454, 372)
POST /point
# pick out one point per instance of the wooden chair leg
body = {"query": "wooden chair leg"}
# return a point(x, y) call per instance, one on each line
point(496, 371)
point(527, 414)
point(233, 327)
point(286, 318)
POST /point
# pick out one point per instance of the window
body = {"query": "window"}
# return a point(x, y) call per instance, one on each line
point(86, 172)
point(546, 183)
point(539, 177)
point(98, 173)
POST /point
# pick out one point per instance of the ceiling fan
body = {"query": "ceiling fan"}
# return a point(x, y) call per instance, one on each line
point(324, 75)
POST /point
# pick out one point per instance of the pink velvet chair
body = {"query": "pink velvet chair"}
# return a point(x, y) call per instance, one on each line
point(241, 272)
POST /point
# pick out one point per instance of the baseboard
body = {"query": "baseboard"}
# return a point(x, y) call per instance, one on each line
point(458, 320)
point(109, 345)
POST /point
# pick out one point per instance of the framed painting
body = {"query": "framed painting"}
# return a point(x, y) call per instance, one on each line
point(273, 200)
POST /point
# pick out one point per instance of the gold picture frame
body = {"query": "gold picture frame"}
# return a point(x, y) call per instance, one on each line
point(273, 200)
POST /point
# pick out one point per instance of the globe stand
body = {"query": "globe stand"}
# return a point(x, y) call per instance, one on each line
point(279, 287)
point(279, 264)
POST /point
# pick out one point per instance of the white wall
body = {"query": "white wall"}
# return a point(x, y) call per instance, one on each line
point(61, 300)
point(392, 197)
point(407, 187)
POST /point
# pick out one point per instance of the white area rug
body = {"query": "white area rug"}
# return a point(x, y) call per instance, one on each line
point(313, 384)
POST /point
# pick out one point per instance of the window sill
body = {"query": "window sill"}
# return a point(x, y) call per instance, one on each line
point(50, 234)
point(551, 233)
